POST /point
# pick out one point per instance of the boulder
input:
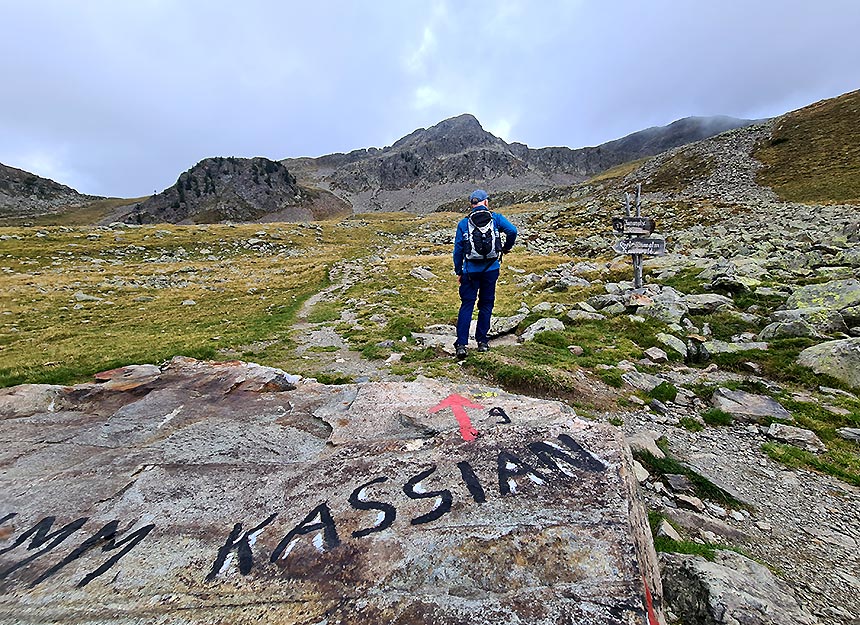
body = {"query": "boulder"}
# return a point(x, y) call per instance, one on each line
point(838, 359)
point(214, 495)
point(643, 381)
point(582, 315)
point(695, 522)
point(645, 441)
point(667, 312)
point(731, 590)
point(673, 342)
point(849, 434)
point(799, 437)
point(28, 399)
point(666, 530)
point(788, 329)
point(422, 273)
point(823, 320)
point(707, 303)
point(748, 406)
point(656, 354)
point(723, 347)
point(548, 324)
point(503, 325)
point(835, 295)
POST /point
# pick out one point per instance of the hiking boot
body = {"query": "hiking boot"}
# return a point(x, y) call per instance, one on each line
point(483, 347)
point(461, 351)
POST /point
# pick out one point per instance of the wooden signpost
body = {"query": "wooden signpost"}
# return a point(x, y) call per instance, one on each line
point(637, 243)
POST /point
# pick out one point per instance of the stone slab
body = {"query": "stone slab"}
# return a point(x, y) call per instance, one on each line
point(233, 493)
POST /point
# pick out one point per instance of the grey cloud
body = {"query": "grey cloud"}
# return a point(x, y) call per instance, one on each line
point(122, 97)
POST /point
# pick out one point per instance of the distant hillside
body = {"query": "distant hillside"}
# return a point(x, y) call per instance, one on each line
point(23, 194)
point(234, 189)
point(431, 167)
point(813, 154)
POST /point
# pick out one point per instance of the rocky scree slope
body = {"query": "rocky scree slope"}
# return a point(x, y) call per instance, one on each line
point(23, 194)
point(234, 189)
point(432, 166)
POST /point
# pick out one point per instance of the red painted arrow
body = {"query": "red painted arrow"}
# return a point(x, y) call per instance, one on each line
point(458, 405)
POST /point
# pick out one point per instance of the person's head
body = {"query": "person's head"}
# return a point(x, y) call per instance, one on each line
point(478, 197)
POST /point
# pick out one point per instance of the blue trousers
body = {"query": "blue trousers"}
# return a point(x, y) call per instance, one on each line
point(476, 286)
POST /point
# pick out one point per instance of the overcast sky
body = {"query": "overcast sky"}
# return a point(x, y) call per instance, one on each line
point(118, 97)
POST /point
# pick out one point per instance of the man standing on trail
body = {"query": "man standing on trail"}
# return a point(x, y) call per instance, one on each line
point(478, 250)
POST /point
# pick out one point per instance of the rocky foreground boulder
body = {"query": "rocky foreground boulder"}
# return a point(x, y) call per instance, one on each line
point(838, 359)
point(730, 590)
point(234, 493)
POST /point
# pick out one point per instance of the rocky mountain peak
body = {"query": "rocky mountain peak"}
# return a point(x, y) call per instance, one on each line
point(449, 136)
point(230, 189)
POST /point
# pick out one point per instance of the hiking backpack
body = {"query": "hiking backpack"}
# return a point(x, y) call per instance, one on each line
point(483, 241)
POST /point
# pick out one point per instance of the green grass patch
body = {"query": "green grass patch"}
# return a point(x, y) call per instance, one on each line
point(398, 327)
point(680, 171)
point(325, 311)
point(686, 281)
point(372, 351)
point(665, 391)
point(690, 424)
point(667, 545)
point(333, 378)
point(612, 377)
point(419, 355)
point(839, 464)
point(717, 417)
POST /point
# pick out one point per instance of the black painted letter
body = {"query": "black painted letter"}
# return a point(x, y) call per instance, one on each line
point(445, 495)
point(326, 524)
point(241, 545)
point(41, 534)
point(107, 536)
point(471, 482)
point(386, 508)
point(510, 467)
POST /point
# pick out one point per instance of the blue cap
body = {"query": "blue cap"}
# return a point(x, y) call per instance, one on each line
point(478, 195)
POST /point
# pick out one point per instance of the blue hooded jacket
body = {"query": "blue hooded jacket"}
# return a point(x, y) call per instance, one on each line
point(476, 266)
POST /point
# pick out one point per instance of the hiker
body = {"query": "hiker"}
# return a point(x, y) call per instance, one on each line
point(478, 250)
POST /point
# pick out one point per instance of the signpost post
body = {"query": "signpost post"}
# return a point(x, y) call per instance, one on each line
point(636, 229)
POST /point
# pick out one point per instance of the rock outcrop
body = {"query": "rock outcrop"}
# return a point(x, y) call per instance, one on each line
point(231, 492)
point(235, 189)
point(23, 194)
point(730, 590)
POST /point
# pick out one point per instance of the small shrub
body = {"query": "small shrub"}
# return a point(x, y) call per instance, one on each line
point(691, 424)
point(611, 377)
point(616, 421)
point(665, 391)
point(333, 378)
point(715, 416)
point(372, 351)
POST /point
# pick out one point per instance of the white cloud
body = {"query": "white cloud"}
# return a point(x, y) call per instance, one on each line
point(415, 63)
point(501, 128)
point(426, 96)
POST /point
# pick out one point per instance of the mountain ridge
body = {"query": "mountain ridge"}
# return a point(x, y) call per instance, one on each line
point(430, 167)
